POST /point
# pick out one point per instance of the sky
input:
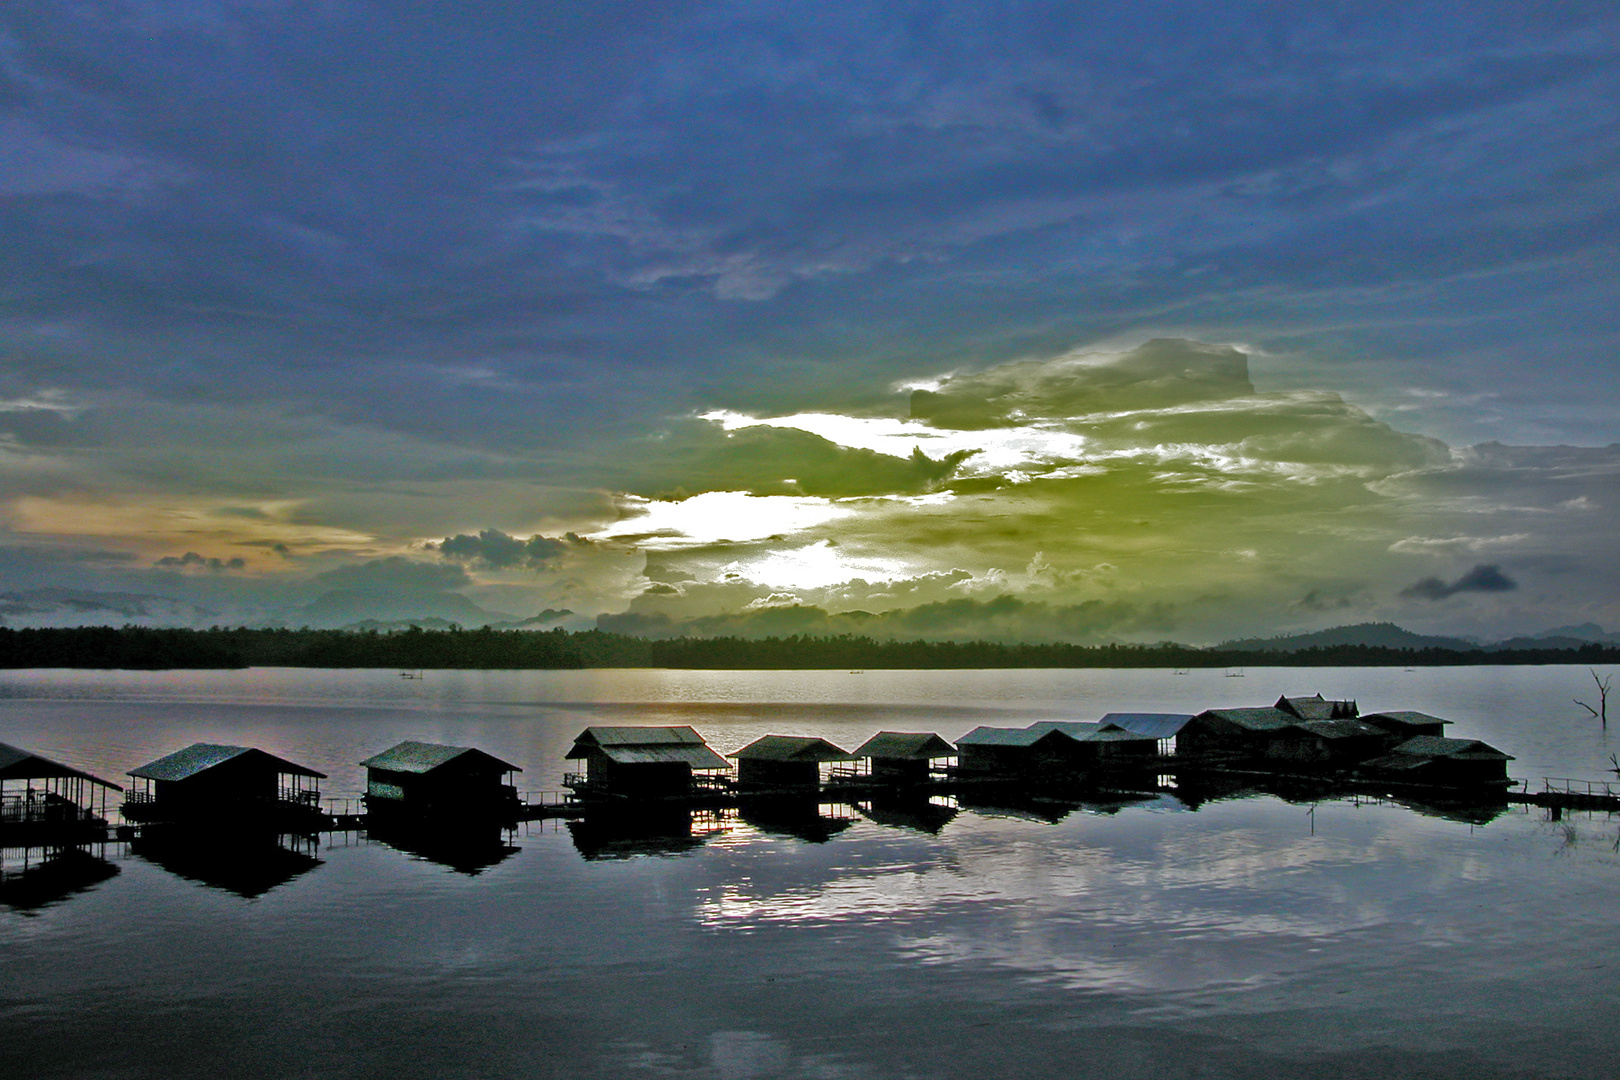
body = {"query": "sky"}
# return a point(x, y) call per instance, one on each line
point(1033, 321)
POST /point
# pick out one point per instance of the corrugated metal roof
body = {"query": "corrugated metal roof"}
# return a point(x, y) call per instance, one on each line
point(1439, 746)
point(1316, 707)
point(790, 748)
point(698, 757)
point(905, 745)
point(1264, 718)
point(639, 736)
point(199, 757)
point(421, 757)
point(18, 764)
point(1153, 725)
point(998, 736)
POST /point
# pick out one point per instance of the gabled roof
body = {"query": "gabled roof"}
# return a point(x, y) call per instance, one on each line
point(790, 748)
point(1152, 725)
point(421, 757)
point(1266, 718)
point(1404, 717)
point(200, 757)
point(1433, 746)
point(1002, 736)
point(1316, 707)
point(639, 736)
point(905, 745)
point(18, 764)
point(1078, 730)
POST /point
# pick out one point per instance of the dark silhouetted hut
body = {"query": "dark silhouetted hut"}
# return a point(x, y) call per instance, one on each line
point(1318, 708)
point(1232, 733)
point(1161, 726)
point(1325, 743)
point(903, 757)
point(992, 751)
point(1400, 726)
point(1099, 744)
point(641, 762)
point(784, 762)
point(225, 785)
point(42, 799)
point(1442, 762)
point(433, 780)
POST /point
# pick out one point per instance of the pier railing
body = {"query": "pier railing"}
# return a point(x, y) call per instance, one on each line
point(1597, 789)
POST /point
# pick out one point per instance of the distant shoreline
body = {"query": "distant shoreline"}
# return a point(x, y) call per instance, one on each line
point(143, 649)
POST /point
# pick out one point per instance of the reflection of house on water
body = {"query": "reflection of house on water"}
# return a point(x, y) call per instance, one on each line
point(247, 862)
point(34, 876)
point(803, 817)
point(909, 810)
point(647, 829)
point(53, 828)
point(208, 783)
point(467, 847)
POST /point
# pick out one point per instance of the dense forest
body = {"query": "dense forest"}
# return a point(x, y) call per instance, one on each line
point(151, 649)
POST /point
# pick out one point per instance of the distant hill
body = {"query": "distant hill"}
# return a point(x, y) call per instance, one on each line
point(1383, 635)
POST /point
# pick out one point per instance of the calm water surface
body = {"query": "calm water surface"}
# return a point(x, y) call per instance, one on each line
point(1249, 938)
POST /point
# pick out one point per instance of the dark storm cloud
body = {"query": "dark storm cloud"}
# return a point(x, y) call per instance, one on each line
point(469, 221)
point(1484, 578)
point(192, 560)
point(496, 550)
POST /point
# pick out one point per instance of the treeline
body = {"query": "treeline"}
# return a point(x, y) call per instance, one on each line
point(154, 649)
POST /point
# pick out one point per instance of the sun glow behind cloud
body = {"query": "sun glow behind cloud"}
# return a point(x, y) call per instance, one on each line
point(717, 517)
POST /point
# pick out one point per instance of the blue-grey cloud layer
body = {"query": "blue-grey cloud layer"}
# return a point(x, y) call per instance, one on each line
point(516, 224)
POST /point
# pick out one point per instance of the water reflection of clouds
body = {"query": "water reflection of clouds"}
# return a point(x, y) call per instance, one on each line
point(1134, 903)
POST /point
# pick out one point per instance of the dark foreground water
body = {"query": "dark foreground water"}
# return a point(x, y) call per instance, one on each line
point(1252, 937)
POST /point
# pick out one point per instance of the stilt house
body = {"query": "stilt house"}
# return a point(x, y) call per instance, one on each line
point(784, 763)
point(902, 758)
point(1324, 743)
point(434, 780)
point(642, 762)
point(214, 784)
point(40, 797)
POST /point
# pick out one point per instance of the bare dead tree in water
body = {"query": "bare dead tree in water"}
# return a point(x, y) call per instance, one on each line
point(1602, 711)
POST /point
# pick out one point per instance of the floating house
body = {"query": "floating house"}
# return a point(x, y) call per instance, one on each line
point(207, 783)
point(784, 763)
point(434, 780)
point(901, 758)
point(41, 799)
point(993, 751)
point(1400, 726)
point(1441, 762)
point(1326, 743)
point(1232, 733)
point(643, 762)
point(1318, 708)
point(1099, 745)
point(1161, 726)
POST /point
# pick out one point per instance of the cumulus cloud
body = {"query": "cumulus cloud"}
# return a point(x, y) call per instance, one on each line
point(496, 550)
point(1485, 577)
point(192, 560)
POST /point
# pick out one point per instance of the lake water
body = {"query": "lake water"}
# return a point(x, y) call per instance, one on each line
point(1249, 938)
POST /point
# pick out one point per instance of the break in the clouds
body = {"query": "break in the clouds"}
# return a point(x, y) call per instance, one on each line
point(706, 310)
